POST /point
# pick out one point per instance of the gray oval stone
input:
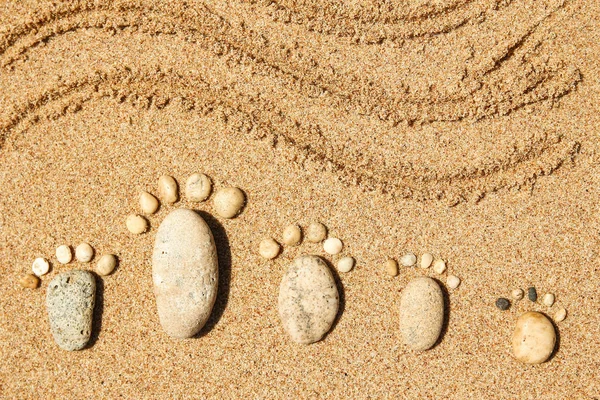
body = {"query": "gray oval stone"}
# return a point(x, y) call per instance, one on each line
point(308, 299)
point(185, 272)
point(70, 302)
point(421, 313)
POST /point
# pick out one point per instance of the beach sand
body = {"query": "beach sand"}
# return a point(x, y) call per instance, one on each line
point(464, 128)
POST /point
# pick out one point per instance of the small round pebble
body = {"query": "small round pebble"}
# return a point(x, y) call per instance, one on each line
point(408, 260)
point(198, 187)
point(228, 202)
point(136, 224)
point(453, 281)
point(333, 246)
point(391, 267)
point(426, 260)
point(29, 281)
point(503, 304)
point(106, 264)
point(548, 299)
point(40, 266)
point(316, 232)
point(269, 248)
point(345, 264)
point(64, 255)
point(532, 294)
point(560, 315)
point(84, 253)
point(148, 203)
point(292, 235)
point(517, 294)
point(439, 266)
point(167, 189)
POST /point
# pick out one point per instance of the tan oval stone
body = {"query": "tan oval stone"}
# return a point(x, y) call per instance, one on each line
point(534, 338)
point(198, 187)
point(185, 273)
point(148, 203)
point(308, 299)
point(168, 189)
point(421, 313)
point(229, 202)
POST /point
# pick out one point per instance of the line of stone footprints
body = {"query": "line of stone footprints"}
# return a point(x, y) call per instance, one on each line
point(185, 274)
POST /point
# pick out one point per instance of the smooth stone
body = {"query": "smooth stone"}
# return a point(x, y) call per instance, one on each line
point(308, 299)
point(548, 299)
point(70, 302)
point(532, 294)
point(292, 235)
point(136, 224)
point(439, 266)
point(84, 253)
point(198, 187)
point(560, 315)
point(391, 267)
point(168, 189)
point(229, 202)
point(426, 260)
point(106, 265)
point(64, 255)
point(503, 304)
point(269, 248)
point(534, 338)
point(148, 203)
point(421, 313)
point(408, 260)
point(333, 246)
point(316, 232)
point(40, 266)
point(453, 281)
point(29, 281)
point(345, 264)
point(517, 294)
point(185, 272)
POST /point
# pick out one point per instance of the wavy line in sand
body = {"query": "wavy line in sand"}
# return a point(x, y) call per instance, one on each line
point(482, 94)
point(257, 119)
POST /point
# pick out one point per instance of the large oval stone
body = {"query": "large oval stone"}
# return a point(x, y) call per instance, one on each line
point(308, 299)
point(534, 338)
point(421, 313)
point(185, 272)
point(70, 300)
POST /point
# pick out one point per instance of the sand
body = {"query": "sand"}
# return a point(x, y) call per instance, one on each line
point(464, 128)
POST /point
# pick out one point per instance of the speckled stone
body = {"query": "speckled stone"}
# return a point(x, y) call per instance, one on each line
point(185, 273)
point(503, 304)
point(421, 313)
point(532, 294)
point(168, 189)
point(198, 187)
point(308, 299)
point(534, 338)
point(70, 303)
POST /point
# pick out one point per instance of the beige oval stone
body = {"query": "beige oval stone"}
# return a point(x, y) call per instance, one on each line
point(426, 260)
point(168, 189)
point(391, 267)
point(308, 299)
point(269, 248)
point(106, 265)
point(292, 235)
point(534, 338)
point(229, 202)
point(148, 203)
point(185, 273)
point(316, 232)
point(421, 313)
point(198, 187)
point(136, 224)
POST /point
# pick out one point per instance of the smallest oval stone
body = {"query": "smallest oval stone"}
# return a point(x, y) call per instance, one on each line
point(106, 264)
point(426, 260)
point(40, 266)
point(560, 315)
point(84, 253)
point(548, 299)
point(316, 232)
point(439, 266)
point(29, 281)
point(408, 260)
point(532, 294)
point(228, 202)
point(453, 281)
point(167, 189)
point(503, 304)
point(333, 246)
point(64, 254)
point(269, 248)
point(292, 235)
point(198, 187)
point(148, 203)
point(517, 294)
point(345, 264)
point(391, 267)
point(136, 224)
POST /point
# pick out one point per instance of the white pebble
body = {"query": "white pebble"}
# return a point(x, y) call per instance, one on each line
point(228, 202)
point(40, 266)
point(316, 232)
point(548, 299)
point(64, 254)
point(292, 235)
point(84, 253)
point(333, 246)
point(136, 224)
point(106, 264)
point(345, 264)
point(439, 266)
point(560, 315)
point(167, 189)
point(453, 281)
point(426, 260)
point(269, 248)
point(148, 203)
point(517, 294)
point(198, 187)
point(408, 260)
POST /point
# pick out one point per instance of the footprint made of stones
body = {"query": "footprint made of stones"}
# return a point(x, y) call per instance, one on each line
point(185, 268)
point(534, 337)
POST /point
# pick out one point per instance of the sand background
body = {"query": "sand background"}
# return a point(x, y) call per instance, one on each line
point(463, 128)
